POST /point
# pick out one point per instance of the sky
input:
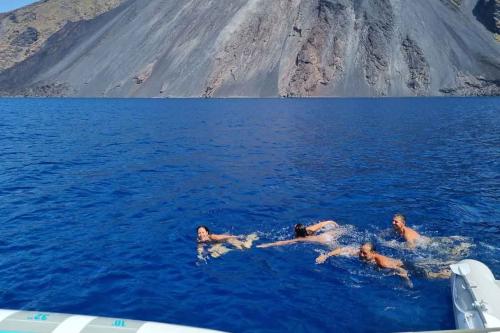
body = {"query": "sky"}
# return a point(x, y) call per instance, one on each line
point(8, 5)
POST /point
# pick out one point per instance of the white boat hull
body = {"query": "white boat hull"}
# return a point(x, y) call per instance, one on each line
point(476, 295)
point(12, 321)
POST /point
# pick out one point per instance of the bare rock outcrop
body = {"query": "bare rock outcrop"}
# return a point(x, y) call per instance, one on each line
point(321, 56)
point(144, 74)
point(488, 13)
point(377, 33)
point(469, 85)
point(419, 72)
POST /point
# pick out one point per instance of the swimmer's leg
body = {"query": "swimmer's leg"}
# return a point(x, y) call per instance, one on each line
point(461, 250)
point(236, 243)
point(403, 273)
point(426, 271)
point(249, 240)
point(218, 250)
point(407, 281)
point(444, 274)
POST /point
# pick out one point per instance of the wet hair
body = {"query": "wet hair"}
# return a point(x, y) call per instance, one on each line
point(400, 216)
point(300, 231)
point(204, 227)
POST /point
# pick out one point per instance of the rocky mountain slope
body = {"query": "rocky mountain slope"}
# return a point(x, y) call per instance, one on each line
point(195, 48)
point(23, 32)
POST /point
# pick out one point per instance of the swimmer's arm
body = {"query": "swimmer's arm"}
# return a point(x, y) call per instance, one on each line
point(222, 238)
point(281, 243)
point(396, 266)
point(350, 251)
point(319, 225)
point(199, 250)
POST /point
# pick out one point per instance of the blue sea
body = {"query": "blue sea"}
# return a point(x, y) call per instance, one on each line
point(100, 199)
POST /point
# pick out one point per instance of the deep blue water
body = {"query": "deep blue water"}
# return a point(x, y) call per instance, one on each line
point(100, 200)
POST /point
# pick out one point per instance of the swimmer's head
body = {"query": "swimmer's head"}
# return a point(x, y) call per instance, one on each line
point(203, 234)
point(398, 222)
point(366, 251)
point(300, 231)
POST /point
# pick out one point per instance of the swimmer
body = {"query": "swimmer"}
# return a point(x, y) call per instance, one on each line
point(410, 236)
point(308, 235)
point(206, 237)
point(414, 239)
point(367, 253)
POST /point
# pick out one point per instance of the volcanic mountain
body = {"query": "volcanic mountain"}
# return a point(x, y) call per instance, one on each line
point(254, 48)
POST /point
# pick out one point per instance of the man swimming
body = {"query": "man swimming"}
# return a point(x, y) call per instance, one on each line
point(453, 245)
point(206, 237)
point(308, 235)
point(367, 253)
point(410, 236)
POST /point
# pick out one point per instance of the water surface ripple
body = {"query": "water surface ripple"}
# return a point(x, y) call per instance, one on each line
point(100, 199)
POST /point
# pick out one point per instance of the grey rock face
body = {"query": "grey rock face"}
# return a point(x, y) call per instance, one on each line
point(488, 13)
point(261, 48)
point(320, 58)
point(376, 41)
point(419, 73)
point(55, 89)
point(468, 85)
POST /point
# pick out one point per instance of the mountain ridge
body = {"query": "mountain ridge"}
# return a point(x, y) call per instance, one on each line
point(263, 48)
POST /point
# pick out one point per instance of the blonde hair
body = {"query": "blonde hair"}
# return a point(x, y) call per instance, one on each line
point(400, 216)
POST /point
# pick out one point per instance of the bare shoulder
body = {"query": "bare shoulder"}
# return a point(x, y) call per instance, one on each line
point(387, 262)
point(411, 234)
point(218, 238)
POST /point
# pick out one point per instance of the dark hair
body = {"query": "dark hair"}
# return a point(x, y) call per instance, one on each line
point(300, 231)
point(204, 227)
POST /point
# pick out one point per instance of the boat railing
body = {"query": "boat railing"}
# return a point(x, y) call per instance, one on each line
point(477, 330)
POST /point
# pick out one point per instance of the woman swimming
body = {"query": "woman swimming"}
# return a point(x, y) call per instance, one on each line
point(217, 249)
point(309, 235)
